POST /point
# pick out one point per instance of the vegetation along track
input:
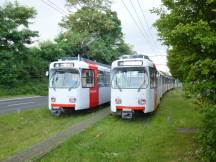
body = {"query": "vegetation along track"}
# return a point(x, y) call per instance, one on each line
point(70, 125)
point(147, 138)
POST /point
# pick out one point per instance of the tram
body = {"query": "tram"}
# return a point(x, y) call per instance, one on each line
point(77, 84)
point(136, 85)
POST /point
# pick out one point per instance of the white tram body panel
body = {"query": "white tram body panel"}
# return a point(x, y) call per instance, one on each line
point(78, 84)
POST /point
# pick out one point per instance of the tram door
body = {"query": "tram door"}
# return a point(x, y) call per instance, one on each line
point(94, 89)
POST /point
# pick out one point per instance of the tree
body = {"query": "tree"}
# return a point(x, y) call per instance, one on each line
point(14, 38)
point(99, 4)
point(95, 28)
point(71, 43)
point(188, 27)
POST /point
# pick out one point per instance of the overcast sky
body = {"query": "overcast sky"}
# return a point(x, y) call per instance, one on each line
point(144, 38)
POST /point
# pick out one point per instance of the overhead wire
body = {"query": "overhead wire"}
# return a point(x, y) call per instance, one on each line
point(55, 8)
point(140, 30)
point(142, 27)
point(58, 7)
point(141, 24)
point(144, 34)
point(146, 22)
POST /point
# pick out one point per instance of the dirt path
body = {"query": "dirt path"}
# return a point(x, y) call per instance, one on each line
point(42, 148)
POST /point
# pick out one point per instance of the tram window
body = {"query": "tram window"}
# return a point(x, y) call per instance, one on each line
point(87, 78)
point(152, 77)
point(104, 79)
point(107, 80)
point(101, 78)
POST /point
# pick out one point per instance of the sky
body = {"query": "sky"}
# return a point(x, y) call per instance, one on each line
point(143, 39)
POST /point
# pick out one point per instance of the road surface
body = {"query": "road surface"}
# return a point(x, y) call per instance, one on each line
point(16, 104)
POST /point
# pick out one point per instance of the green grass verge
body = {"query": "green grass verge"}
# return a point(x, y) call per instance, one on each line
point(148, 138)
point(24, 89)
point(21, 129)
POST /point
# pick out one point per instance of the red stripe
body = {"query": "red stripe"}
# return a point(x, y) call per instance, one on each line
point(131, 107)
point(94, 92)
point(63, 105)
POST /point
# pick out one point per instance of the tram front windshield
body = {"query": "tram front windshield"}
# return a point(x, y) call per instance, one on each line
point(130, 78)
point(65, 78)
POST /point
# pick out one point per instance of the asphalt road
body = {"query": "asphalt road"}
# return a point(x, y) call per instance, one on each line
point(24, 103)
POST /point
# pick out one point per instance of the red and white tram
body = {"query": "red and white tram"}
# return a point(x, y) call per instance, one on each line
point(77, 84)
point(137, 85)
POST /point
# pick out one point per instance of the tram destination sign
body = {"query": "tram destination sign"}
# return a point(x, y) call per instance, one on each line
point(63, 65)
point(130, 63)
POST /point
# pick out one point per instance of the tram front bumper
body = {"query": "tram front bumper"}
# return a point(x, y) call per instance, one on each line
point(130, 108)
point(63, 106)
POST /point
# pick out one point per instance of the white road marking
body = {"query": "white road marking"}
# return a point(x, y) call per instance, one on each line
point(24, 103)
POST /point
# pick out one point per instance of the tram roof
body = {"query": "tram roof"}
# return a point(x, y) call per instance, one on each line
point(133, 60)
point(79, 60)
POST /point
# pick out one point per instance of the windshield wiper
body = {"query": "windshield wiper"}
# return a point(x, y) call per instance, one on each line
point(114, 77)
point(53, 83)
point(141, 86)
point(69, 89)
point(118, 86)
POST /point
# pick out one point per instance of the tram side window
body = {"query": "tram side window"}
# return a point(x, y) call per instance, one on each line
point(101, 78)
point(152, 77)
point(87, 78)
point(107, 80)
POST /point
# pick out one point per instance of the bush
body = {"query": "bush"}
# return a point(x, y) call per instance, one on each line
point(207, 135)
point(29, 88)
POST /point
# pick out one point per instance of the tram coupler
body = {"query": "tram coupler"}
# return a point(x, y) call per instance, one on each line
point(57, 112)
point(127, 114)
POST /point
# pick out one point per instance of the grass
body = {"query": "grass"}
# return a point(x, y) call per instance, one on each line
point(147, 138)
point(21, 129)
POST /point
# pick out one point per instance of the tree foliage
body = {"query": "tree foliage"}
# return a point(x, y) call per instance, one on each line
point(99, 4)
point(14, 38)
point(188, 27)
point(93, 31)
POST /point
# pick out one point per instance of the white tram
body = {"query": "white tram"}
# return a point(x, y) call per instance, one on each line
point(77, 84)
point(137, 85)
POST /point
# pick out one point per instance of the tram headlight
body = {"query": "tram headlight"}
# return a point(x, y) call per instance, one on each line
point(141, 101)
point(53, 99)
point(118, 101)
point(72, 100)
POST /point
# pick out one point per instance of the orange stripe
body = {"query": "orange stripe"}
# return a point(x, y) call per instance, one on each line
point(63, 105)
point(131, 107)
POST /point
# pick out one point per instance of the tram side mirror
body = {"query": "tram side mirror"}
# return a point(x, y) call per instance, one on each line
point(47, 73)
